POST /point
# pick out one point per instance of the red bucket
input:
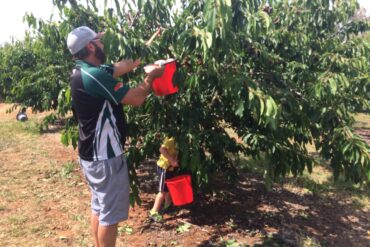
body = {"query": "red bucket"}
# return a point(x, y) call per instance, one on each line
point(164, 85)
point(180, 189)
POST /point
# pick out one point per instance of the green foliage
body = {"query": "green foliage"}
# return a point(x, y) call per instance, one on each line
point(125, 230)
point(231, 243)
point(185, 227)
point(68, 169)
point(280, 76)
point(31, 73)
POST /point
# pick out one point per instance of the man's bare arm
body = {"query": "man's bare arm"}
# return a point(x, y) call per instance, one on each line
point(136, 96)
point(124, 66)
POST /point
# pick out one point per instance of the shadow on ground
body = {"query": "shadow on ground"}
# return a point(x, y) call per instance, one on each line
point(245, 211)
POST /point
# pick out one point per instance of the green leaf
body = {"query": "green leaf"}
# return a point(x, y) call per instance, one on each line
point(64, 138)
point(240, 110)
point(183, 228)
point(208, 39)
point(271, 108)
point(125, 229)
point(210, 10)
point(262, 106)
point(232, 243)
point(333, 86)
point(265, 19)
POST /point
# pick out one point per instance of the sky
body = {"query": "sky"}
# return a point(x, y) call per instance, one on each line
point(11, 16)
point(12, 12)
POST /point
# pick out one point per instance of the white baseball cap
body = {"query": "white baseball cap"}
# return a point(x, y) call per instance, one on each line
point(79, 38)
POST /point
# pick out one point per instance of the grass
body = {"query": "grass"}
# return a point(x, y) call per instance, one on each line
point(17, 219)
point(67, 169)
point(9, 196)
point(7, 137)
point(305, 241)
point(17, 222)
point(360, 201)
point(51, 173)
point(362, 121)
point(36, 203)
point(36, 229)
point(302, 241)
point(78, 218)
point(125, 229)
point(320, 182)
point(250, 165)
point(13, 132)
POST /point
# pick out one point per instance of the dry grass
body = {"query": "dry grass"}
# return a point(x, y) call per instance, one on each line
point(362, 121)
point(38, 190)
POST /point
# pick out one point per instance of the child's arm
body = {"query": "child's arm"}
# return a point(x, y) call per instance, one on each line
point(171, 159)
point(124, 66)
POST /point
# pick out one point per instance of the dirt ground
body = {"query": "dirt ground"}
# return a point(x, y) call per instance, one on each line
point(44, 201)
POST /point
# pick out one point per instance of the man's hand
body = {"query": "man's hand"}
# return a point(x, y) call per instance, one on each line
point(154, 71)
point(136, 63)
point(124, 66)
point(136, 96)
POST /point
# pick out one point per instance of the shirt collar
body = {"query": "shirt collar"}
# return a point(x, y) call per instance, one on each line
point(84, 64)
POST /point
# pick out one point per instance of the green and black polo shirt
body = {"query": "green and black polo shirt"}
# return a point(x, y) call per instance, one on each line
point(96, 102)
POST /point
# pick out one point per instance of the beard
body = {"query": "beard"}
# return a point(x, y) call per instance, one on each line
point(99, 54)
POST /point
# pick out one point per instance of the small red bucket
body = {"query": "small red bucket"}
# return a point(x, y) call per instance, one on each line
point(180, 189)
point(164, 85)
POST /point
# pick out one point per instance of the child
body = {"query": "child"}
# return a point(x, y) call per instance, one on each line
point(166, 164)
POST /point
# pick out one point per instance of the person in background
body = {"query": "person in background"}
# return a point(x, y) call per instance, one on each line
point(22, 115)
point(167, 163)
point(97, 102)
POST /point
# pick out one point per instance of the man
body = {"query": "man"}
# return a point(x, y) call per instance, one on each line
point(97, 99)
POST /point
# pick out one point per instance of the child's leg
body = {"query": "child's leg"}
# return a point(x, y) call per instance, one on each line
point(167, 200)
point(160, 197)
point(158, 202)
